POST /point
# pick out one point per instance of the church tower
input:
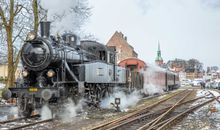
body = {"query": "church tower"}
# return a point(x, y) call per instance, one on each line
point(159, 59)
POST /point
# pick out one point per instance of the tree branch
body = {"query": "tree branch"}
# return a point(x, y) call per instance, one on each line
point(11, 20)
point(18, 9)
point(20, 31)
point(2, 15)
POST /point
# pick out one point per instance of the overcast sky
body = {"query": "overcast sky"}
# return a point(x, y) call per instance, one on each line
point(185, 28)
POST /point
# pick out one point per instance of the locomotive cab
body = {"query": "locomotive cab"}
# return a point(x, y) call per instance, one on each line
point(71, 40)
point(98, 50)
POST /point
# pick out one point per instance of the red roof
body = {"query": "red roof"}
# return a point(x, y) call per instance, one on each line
point(132, 61)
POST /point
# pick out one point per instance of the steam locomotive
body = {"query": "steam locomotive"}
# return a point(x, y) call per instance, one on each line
point(57, 68)
point(60, 67)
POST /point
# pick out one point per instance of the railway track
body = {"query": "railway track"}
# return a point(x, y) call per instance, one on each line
point(133, 114)
point(159, 115)
point(22, 122)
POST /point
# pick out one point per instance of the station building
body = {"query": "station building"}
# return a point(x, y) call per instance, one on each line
point(123, 49)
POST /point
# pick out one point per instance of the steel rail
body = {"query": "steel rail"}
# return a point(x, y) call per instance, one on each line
point(134, 113)
point(149, 115)
point(172, 120)
point(30, 124)
point(155, 121)
point(216, 98)
point(21, 118)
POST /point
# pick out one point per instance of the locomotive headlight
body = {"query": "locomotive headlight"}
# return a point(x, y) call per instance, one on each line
point(25, 73)
point(50, 73)
point(31, 36)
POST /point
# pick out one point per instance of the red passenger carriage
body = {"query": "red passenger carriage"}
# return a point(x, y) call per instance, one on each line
point(135, 67)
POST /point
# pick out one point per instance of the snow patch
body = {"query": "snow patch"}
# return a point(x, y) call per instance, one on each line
point(215, 93)
point(201, 93)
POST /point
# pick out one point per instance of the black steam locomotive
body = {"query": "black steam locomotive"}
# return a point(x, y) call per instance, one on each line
point(56, 68)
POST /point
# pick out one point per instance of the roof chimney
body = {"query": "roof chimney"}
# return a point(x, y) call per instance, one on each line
point(121, 34)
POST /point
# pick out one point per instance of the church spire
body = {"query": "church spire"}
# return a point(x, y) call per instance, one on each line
point(158, 45)
point(158, 51)
point(159, 59)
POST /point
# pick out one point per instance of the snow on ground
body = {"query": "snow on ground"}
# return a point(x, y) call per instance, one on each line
point(203, 118)
point(215, 93)
point(206, 93)
point(201, 93)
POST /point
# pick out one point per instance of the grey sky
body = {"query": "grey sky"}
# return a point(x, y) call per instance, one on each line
point(185, 28)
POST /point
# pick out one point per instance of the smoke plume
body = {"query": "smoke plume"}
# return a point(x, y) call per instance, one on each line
point(66, 15)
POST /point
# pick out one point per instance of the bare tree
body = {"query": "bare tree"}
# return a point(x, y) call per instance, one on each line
point(194, 66)
point(15, 23)
point(82, 11)
point(35, 5)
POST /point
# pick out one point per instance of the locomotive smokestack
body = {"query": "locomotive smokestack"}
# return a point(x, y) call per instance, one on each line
point(45, 29)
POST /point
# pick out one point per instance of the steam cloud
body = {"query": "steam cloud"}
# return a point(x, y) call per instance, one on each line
point(70, 110)
point(151, 89)
point(151, 86)
point(127, 100)
point(14, 110)
point(151, 81)
point(46, 112)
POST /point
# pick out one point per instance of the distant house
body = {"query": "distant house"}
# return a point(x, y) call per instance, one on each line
point(123, 48)
point(4, 71)
point(190, 69)
point(177, 65)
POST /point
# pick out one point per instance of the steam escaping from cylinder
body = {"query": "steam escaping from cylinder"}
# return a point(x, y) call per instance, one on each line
point(127, 100)
point(70, 110)
point(13, 112)
point(46, 113)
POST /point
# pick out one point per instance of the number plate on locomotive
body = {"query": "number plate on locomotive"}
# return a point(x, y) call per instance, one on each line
point(33, 89)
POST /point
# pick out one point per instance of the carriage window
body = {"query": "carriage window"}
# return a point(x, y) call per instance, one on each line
point(132, 67)
point(72, 39)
